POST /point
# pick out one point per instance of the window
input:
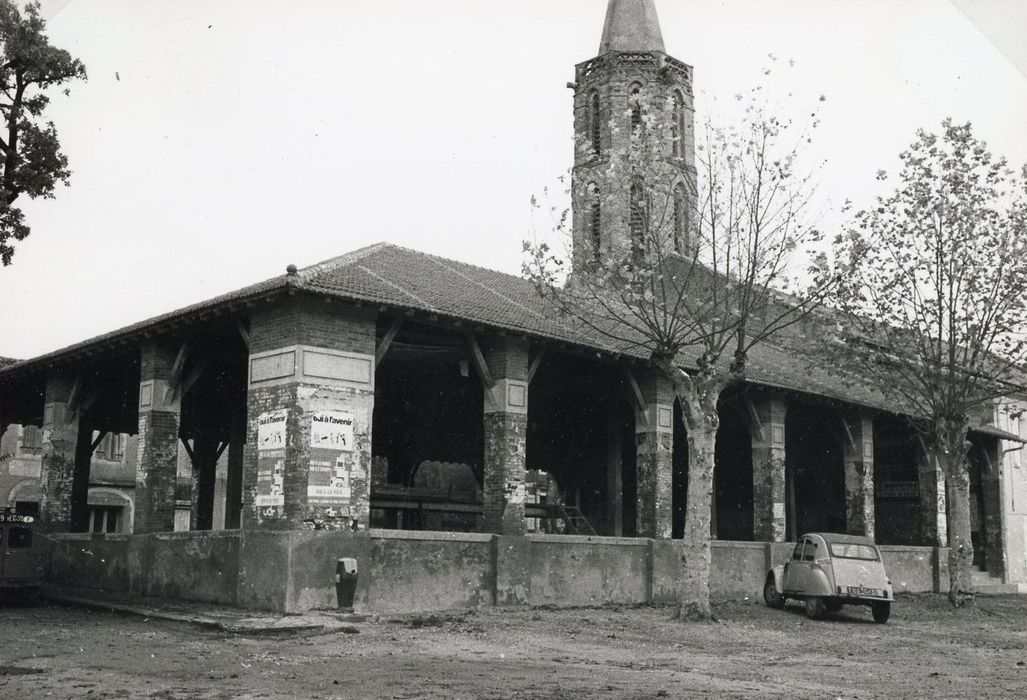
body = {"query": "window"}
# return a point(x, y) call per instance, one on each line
point(797, 552)
point(31, 438)
point(27, 508)
point(595, 220)
point(594, 124)
point(809, 552)
point(635, 100)
point(849, 550)
point(680, 217)
point(104, 518)
point(637, 219)
point(677, 126)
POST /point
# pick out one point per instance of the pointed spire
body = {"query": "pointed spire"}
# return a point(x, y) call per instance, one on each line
point(631, 26)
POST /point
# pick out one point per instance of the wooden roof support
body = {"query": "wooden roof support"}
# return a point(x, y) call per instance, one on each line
point(539, 356)
point(755, 424)
point(390, 335)
point(635, 395)
point(480, 366)
point(97, 441)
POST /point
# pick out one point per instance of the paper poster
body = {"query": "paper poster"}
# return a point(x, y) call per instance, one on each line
point(271, 458)
point(331, 459)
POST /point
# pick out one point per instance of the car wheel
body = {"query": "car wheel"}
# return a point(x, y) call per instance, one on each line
point(815, 607)
point(882, 611)
point(771, 596)
point(833, 605)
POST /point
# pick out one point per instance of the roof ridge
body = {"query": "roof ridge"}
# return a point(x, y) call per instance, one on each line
point(340, 260)
point(454, 270)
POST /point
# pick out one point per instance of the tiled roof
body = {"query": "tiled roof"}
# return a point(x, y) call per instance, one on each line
point(398, 277)
point(7, 361)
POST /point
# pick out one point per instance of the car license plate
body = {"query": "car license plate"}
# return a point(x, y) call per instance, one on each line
point(861, 590)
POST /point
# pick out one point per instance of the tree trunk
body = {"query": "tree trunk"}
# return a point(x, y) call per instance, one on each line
point(694, 600)
point(953, 456)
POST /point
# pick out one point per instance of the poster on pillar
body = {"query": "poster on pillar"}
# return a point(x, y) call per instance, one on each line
point(271, 458)
point(329, 484)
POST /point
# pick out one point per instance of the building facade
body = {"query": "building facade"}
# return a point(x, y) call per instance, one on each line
point(328, 397)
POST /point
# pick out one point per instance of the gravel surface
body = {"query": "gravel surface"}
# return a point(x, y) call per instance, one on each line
point(925, 650)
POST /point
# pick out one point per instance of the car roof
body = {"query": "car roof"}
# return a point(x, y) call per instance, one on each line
point(837, 538)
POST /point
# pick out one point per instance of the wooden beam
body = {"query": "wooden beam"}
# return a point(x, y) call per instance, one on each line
point(175, 375)
point(243, 333)
point(195, 374)
point(74, 398)
point(189, 451)
point(755, 424)
point(539, 356)
point(390, 335)
point(220, 450)
point(478, 360)
point(97, 441)
point(850, 439)
point(641, 405)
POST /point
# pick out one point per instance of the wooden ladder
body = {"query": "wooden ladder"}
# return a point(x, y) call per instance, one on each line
point(577, 523)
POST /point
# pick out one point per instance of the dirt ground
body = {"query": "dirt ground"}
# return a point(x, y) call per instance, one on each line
point(752, 651)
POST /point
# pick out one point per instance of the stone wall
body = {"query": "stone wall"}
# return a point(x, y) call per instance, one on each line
point(293, 571)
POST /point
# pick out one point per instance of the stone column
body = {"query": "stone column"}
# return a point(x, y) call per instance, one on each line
point(767, 426)
point(933, 523)
point(858, 457)
point(157, 466)
point(310, 401)
point(506, 427)
point(60, 443)
point(654, 440)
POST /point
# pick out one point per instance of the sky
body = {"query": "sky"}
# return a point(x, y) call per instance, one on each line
point(217, 142)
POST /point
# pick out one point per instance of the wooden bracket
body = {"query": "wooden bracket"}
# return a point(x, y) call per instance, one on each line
point(638, 399)
point(539, 356)
point(243, 333)
point(175, 375)
point(480, 366)
point(390, 335)
point(850, 439)
point(220, 450)
point(97, 441)
point(189, 451)
point(194, 375)
point(755, 423)
point(74, 399)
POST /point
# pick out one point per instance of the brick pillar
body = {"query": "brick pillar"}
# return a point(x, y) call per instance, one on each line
point(157, 466)
point(858, 456)
point(654, 440)
point(506, 427)
point(310, 401)
point(768, 468)
point(933, 523)
point(60, 443)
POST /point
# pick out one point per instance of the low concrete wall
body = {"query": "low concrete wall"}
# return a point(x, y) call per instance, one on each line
point(400, 571)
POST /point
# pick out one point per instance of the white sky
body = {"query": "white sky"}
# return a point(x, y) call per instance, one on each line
point(217, 142)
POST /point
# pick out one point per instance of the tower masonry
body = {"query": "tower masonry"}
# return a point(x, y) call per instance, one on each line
point(621, 97)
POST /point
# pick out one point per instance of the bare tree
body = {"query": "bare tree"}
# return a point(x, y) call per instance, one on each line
point(936, 297)
point(696, 302)
point(31, 161)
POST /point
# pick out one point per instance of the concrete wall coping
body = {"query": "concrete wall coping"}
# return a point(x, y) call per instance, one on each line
point(734, 544)
point(198, 534)
point(383, 534)
point(907, 548)
point(592, 539)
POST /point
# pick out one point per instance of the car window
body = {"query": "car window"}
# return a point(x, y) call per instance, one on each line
point(19, 537)
point(809, 552)
point(797, 553)
point(851, 550)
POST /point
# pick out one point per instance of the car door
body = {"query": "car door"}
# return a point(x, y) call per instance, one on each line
point(796, 569)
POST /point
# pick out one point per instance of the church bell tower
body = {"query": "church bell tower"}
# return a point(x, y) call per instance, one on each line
point(630, 86)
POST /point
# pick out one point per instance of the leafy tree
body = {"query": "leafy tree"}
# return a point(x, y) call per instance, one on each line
point(696, 306)
point(936, 297)
point(31, 154)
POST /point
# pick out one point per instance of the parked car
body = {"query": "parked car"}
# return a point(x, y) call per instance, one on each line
point(827, 571)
